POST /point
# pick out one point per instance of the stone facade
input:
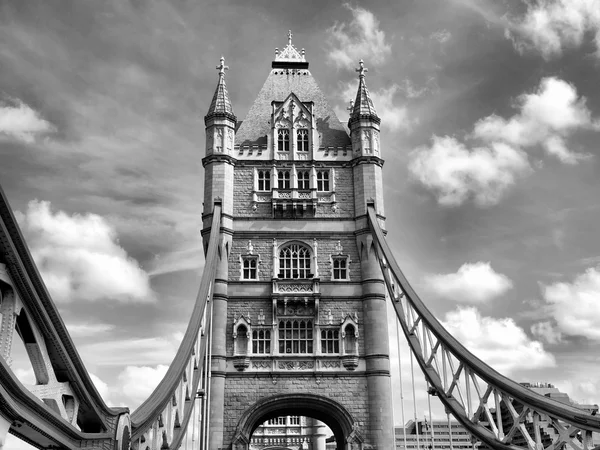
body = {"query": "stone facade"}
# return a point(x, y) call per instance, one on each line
point(299, 312)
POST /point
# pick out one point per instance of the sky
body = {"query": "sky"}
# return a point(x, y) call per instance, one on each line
point(490, 121)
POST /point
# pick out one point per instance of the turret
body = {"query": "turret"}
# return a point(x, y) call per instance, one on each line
point(364, 132)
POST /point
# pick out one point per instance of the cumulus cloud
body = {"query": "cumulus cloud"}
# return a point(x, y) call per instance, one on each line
point(79, 257)
point(138, 382)
point(457, 173)
point(472, 283)
point(21, 122)
point(360, 39)
point(547, 332)
point(485, 170)
point(500, 343)
point(545, 118)
point(551, 26)
point(576, 306)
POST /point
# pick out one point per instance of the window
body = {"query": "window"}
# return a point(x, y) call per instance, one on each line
point(276, 421)
point(295, 336)
point(302, 140)
point(264, 180)
point(330, 341)
point(294, 420)
point(283, 140)
point(294, 262)
point(303, 180)
point(261, 341)
point(340, 268)
point(323, 180)
point(249, 268)
point(283, 179)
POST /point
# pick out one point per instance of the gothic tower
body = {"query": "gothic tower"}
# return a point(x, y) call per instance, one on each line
point(299, 316)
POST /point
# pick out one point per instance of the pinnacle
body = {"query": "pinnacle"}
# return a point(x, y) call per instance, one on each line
point(220, 103)
point(363, 105)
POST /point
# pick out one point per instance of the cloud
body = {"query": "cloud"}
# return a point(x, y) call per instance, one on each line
point(551, 26)
point(21, 122)
point(485, 170)
point(545, 118)
point(88, 329)
point(360, 39)
point(547, 332)
point(457, 173)
point(442, 36)
point(500, 343)
point(472, 283)
point(138, 382)
point(132, 351)
point(80, 258)
point(576, 306)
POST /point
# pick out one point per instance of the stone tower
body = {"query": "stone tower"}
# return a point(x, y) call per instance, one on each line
point(299, 313)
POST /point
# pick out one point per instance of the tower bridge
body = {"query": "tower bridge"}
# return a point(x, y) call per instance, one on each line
point(291, 313)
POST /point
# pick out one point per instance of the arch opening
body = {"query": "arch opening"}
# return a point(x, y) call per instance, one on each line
point(329, 412)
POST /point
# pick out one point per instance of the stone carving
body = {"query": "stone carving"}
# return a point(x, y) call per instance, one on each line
point(229, 141)
point(331, 364)
point(302, 120)
point(285, 194)
point(303, 365)
point(287, 365)
point(210, 139)
point(250, 248)
point(303, 288)
point(261, 317)
point(376, 143)
point(261, 364)
point(366, 138)
point(338, 248)
point(329, 317)
point(304, 195)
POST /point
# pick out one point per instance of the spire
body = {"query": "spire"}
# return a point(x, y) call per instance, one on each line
point(363, 105)
point(221, 104)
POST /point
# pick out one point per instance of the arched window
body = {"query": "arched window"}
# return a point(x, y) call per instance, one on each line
point(350, 340)
point(303, 180)
point(283, 140)
point(241, 342)
point(295, 336)
point(294, 262)
point(302, 140)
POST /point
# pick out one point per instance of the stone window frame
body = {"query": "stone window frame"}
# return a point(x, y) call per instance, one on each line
point(346, 259)
point(303, 182)
point(249, 257)
point(265, 179)
point(311, 258)
point(302, 140)
point(284, 183)
point(283, 144)
point(308, 339)
point(334, 340)
point(266, 340)
point(320, 181)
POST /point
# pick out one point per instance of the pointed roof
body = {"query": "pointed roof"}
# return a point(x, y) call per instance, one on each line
point(221, 105)
point(290, 74)
point(363, 105)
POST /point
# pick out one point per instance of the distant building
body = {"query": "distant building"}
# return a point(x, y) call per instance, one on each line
point(290, 433)
point(438, 434)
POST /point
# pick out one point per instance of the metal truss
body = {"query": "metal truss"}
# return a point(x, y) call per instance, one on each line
point(499, 412)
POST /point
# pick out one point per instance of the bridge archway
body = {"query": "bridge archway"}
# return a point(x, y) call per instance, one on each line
point(328, 411)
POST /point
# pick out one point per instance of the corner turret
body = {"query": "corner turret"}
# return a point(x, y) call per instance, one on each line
point(220, 120)
point(364, 122)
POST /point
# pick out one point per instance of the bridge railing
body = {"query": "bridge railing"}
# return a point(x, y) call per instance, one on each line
point(493, 408)
point(162, 420)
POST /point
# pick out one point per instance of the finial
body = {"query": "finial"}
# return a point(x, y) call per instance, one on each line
point(276, 52)
point(289, 37)
point(362, 69)
point(222, 67)
point(303, 53)
point(350, 107)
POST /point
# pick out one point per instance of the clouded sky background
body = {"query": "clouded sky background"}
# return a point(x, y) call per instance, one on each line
point(490, 122)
